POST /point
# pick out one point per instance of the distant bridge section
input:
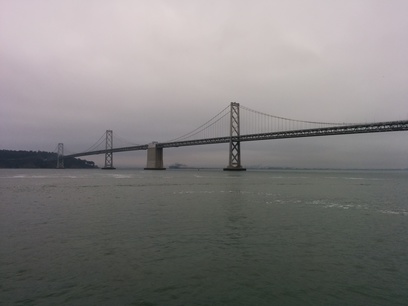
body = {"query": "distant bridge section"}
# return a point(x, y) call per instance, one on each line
point(97, 152)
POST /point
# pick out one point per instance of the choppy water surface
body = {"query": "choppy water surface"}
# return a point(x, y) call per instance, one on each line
point(93, 237)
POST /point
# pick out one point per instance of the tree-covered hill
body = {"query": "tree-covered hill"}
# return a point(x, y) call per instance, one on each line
point(38, 159)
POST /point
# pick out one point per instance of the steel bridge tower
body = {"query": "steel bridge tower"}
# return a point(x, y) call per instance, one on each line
point(60, 156)
point(109, 151)
point(234, 145)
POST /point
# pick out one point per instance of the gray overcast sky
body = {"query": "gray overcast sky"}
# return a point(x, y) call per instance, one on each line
point(154, 70)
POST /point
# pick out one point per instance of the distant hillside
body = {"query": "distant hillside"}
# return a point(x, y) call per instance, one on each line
point(38, 159)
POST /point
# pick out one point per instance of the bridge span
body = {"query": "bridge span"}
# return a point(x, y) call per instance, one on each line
point(155, 149)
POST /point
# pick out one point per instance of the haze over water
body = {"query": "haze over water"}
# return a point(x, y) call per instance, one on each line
point(130, 237)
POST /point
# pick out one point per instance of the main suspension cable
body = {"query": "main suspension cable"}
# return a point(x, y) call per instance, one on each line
point(202, 127)
point(295, 120)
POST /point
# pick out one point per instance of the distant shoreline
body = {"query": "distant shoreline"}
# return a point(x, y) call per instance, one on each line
point(22, 159)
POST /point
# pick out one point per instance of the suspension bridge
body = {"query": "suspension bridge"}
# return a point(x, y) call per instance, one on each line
point(234, 124)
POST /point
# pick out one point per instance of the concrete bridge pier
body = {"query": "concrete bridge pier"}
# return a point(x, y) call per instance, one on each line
point(154, 157)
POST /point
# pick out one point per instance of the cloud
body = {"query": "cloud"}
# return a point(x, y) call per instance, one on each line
point(156, 70)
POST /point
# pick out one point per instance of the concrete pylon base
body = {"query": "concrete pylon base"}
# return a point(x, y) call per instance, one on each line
point(154, 168)
point(108, 168)
point(234, 169)
point(154, 157)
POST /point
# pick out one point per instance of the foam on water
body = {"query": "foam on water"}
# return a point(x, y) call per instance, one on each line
point(394, 212)
point(121, 176)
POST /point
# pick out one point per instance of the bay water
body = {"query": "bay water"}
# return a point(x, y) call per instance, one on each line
point(208, 237)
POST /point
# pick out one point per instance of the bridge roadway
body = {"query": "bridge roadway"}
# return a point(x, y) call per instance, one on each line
point(376, 127)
